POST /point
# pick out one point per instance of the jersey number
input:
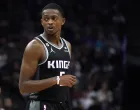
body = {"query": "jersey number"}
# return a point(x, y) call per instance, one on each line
point(61, 73)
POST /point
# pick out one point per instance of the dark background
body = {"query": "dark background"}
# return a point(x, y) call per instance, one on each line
point(105, 39)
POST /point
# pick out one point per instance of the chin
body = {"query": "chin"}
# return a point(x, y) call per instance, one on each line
point(50, 33)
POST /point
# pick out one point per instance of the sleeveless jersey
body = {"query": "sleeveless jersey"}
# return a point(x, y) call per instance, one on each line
point(56, 63)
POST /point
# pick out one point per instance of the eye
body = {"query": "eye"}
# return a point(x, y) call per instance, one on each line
point(54, 18)
point(46, 19)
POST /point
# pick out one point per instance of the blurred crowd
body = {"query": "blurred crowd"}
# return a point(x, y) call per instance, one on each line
point(96, 31)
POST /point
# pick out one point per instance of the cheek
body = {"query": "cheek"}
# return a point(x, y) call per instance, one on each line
point(58, 25)
point(44, 25)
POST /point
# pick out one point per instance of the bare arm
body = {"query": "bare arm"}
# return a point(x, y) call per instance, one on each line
point(33, 53)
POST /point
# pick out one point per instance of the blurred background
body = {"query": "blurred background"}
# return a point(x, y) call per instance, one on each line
point(97, 31)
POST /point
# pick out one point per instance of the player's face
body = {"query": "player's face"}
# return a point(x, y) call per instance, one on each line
point(52, 21)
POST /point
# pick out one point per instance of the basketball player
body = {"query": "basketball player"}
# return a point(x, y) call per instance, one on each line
point(45, 66)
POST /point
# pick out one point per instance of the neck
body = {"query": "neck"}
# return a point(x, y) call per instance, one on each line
point(55, 38)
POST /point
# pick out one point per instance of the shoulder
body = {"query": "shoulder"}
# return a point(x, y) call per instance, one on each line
point(68, 43)
point(34, 44)
point(34, 48)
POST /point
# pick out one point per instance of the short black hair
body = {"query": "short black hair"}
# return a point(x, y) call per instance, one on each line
point(53, 6)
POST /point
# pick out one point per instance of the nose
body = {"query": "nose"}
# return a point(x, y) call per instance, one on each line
point(50, 22)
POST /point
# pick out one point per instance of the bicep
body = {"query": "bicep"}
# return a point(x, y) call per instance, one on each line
point(29, 62)
point(28, 68)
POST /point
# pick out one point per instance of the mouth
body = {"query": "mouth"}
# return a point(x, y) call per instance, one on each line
point(51, 28)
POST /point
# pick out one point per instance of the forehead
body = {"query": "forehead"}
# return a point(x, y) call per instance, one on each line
point(51, 12)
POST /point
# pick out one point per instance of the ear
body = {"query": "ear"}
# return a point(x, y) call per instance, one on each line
point(41, 20)
point(63, 21)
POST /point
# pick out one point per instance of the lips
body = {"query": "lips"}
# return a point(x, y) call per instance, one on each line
point(50, 28)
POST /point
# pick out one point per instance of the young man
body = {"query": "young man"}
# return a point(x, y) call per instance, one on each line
point(44, 71)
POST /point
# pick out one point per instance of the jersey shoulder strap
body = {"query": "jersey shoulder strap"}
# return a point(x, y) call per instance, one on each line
point(41, 39)
point(66, 46)
point(45, 47)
